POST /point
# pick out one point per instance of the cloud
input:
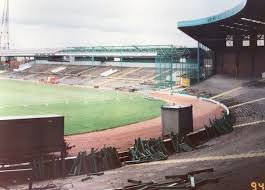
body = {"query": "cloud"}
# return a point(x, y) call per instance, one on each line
point(56, 23)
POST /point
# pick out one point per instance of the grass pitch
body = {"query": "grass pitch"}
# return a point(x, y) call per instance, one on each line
point(85, 110)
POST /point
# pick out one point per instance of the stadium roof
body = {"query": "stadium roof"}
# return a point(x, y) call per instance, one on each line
point(126, 51)
point(143, 50)
point(246, 19)
point(102, 51)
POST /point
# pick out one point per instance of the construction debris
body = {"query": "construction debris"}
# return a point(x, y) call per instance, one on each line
point(185, 182)
point(147, 151)
point(90, 176)
point(95, 162)
point(216, 128)
point(86, 178)
point(179, 144)
point(219, 127)
point(185, 176)
point(157, 149)
point(154, 150)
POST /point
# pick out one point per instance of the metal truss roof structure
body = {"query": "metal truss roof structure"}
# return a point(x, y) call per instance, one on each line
point(137, 51)
point(103, 51)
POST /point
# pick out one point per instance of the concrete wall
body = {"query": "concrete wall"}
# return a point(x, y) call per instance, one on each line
point(242, 63)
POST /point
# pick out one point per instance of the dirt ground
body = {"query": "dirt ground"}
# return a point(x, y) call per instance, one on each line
point(123, 137)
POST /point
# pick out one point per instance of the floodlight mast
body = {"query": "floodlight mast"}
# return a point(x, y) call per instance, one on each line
point(4, 36)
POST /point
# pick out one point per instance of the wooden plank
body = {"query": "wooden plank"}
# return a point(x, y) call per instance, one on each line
point(16, 170)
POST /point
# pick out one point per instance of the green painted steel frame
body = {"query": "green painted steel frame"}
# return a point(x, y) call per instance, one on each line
point(159, 49)
point(167, 60)
point(166, 56)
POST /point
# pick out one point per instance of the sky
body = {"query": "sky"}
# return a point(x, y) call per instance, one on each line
point(68, 23)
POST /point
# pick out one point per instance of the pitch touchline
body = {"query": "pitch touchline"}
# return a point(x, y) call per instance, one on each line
point(208, 158)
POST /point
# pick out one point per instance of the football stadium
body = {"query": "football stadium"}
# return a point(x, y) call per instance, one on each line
point(138, 117)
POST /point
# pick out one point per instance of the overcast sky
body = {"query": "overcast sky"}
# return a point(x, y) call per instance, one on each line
point(64, 23)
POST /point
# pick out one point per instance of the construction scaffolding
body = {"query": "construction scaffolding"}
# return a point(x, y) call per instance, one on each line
point(4, 34)
point(183, 66)
point(166, 66)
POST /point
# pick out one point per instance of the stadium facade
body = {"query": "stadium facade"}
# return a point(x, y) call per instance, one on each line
point(235, 36)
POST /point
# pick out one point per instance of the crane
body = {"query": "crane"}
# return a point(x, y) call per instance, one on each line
point(4, 35)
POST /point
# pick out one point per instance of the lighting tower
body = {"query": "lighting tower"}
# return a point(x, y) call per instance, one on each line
point(4, 35)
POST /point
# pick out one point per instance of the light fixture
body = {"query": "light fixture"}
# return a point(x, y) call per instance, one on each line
point(231, 27)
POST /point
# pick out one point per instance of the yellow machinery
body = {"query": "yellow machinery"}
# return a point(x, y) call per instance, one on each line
point(183, 81)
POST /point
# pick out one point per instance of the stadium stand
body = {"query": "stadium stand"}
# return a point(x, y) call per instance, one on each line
point(121, 78)
point(23, 67)
point(133, 63)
